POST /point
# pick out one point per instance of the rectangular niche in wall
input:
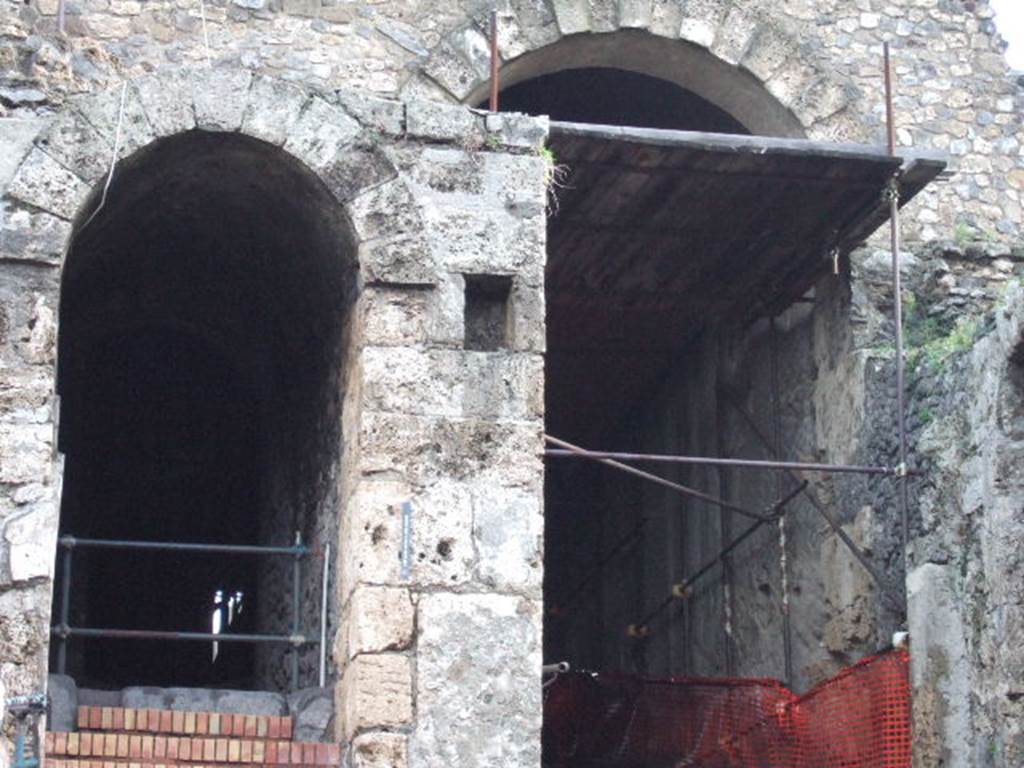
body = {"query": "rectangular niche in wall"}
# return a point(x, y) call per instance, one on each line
point(486, 313)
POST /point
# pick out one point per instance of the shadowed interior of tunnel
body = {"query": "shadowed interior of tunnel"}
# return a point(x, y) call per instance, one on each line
point(202, 331)
point(607, 96)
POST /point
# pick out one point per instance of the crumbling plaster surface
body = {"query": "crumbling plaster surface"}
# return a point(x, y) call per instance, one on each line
point(820, 60)
point(432, 192)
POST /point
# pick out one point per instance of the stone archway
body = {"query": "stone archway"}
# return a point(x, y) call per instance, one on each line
point(60, 185)
point(421, 187)
point(739, 59)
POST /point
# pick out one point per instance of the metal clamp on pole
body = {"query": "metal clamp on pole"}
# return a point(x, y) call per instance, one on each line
point(26, 711)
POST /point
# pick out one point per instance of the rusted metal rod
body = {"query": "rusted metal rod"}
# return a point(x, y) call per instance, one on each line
point(713, 461)
point(495, 69)
point(897, 288)
point(682, 590)
point(683, 489)
point(887, 589)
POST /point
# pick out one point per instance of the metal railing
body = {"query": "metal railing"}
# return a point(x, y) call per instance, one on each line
point(296, 639)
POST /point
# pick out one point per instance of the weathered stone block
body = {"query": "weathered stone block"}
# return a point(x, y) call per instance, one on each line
point(31, 541)
point(441, 544)
point(394, 316)
point(167, 100)
point(476, 451)
point(375, 692)
point(516, 130)
point(442, 122)
point(384, 115)
point(536, 22)
point(788, 83)
point(735, 36)
point(357, 168)
point(453, 383)
point(371, 534)
point(385, 211)
point(321, 133)
point(76, 145)
point(768, 51)
point(16, 137)
point(573, 16)
point(44, 183)
point(380, 750)
point(477, 668)
point(313, 713)
point(26, 451)
point(604, 15)
point(403, 260)
point(220, 97)
point(666, 18)
point(475, 241)
point(63, 693)
point(274, 107)
point(635, 14)
point(508, 529)
point(104, 112)
point(377, 619)
point(475, 49)
point(32, 235)
point(452, 71)
point(446, 171)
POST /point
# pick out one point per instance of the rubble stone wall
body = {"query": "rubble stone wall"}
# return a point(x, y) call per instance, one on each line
point(820, 59)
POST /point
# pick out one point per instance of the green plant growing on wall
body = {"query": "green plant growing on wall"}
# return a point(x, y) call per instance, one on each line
point(932, 339)
point(555, 177)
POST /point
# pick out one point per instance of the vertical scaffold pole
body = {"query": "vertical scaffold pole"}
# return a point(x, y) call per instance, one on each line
point(780, 489)
point(894, 235)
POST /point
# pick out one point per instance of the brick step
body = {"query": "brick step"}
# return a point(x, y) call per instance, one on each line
point(182, 723)
point(181, 750)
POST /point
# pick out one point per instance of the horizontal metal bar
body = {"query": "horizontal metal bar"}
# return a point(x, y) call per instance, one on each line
point(73, 542)
point(153, 634)
point(683, 489)
point(722, 462)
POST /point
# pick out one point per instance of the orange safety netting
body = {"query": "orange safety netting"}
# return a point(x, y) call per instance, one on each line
point(858, 719)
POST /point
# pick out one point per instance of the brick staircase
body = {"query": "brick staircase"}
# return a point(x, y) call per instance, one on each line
point(111, 737)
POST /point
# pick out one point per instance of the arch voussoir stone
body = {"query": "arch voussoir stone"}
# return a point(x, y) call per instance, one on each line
point(220, 97)
point(166, 98)
point(43, 183)
point(74, 143)
point(103, 111)
point(273, 109)
point(572, 16)
point(636, 14)
point(449, 69)
point(320, 133)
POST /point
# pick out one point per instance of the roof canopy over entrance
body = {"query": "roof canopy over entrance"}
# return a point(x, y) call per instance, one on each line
point(657, 231)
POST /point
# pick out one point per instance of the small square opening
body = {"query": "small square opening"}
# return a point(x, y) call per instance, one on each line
point(487, 300)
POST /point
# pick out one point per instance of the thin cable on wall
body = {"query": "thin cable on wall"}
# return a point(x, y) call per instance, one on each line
point(206, 33)
point(113, 158)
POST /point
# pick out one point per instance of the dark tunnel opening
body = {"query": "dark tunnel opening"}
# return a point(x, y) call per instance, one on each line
point(203, 323)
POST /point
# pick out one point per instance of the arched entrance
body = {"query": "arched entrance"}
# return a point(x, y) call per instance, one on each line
point(203, 322)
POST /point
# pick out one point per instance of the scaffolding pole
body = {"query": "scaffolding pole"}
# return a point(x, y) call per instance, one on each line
point(683, 489)
point(833, 522)
point(683, 589)
point(897, 288)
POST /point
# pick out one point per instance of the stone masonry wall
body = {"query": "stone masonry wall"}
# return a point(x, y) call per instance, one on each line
point(433, 193)
point(820, 59)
